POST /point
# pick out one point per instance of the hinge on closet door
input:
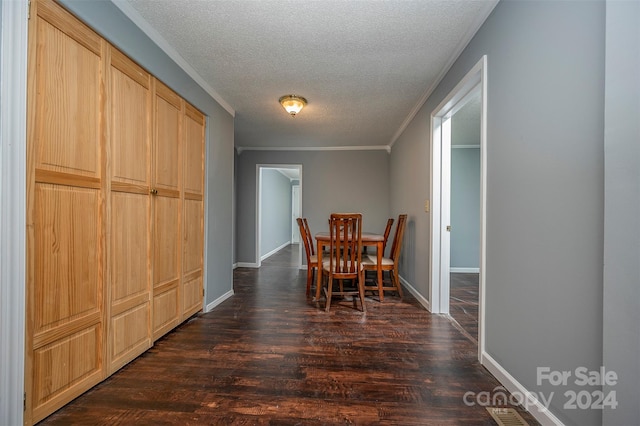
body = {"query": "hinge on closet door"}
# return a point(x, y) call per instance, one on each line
point(29, 10)
point(24, 401)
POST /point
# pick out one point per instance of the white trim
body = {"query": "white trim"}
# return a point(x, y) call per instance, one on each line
point(439, 286)
point(163, 44)
point(13, 172)
point(205, 207)
point(247, 265)
point(541, 413)
point(465, 146)
point(234, 266)
point(419, 297)
point(274, 251)
point(218, 301)
point(465, 270)
point(258, 228)
point(315, 148)
point(471, 32)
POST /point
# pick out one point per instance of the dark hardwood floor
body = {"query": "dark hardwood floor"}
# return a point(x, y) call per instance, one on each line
point(271, 356)
point(463, 303)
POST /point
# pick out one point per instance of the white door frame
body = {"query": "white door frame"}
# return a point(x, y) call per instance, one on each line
point(259, 167)
point(295, 206)
point(475, 79)
point(13, 160)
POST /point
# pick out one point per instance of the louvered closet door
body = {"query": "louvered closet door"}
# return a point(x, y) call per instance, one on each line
point(193, 211)
point(129, 210)
point(166, 172)
point(65, 219)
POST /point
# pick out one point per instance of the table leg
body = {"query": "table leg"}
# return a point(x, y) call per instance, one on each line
point(379, 259)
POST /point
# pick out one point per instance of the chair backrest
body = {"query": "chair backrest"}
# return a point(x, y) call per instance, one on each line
point(387, 231)
point(345, 243)
point(309, 237)
point(305, 238)
point(397, 239)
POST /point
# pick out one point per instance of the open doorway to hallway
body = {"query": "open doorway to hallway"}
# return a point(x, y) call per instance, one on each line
point(465, 215)
point(279, 202)
point(450, 222)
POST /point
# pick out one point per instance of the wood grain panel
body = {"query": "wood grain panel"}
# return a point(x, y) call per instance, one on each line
point(129, 245)
point(193, 151)
point(67, 254)
point(192, 244)
point(166, 241)
point(61, 365)
point(51, 12)
point(67, 133)
point(191, 296)
point(130, 124)
point(130, 121)
point(166, 168)
point(166, 311)
point(129, 334)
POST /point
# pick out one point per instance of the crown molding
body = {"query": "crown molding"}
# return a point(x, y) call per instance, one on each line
point(471, 32)
point(387, 148)
point(131, 13)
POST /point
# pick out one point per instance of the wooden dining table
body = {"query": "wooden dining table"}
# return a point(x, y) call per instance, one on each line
point(369, 239)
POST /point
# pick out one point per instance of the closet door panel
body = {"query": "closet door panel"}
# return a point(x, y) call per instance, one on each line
point(130, 121)
point(129, 210)
point(66, 210)
point(194, 151)
point(130, 308)
point(67, 255)
point(193, 212)
point(168, 110)
point(192, 244)
point(166, 264)
point(67, 131)
point(167, 214)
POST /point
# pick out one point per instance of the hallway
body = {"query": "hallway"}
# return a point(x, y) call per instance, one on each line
point(268, 355)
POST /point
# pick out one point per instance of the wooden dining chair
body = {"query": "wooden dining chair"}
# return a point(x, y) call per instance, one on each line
point(309, 249)
point(389, 264)
point(345, 258)
point(387, 231)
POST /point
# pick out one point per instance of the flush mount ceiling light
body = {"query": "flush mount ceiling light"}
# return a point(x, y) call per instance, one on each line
point(292, 104)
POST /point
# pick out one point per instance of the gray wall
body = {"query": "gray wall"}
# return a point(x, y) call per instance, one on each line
point(465, 207)
point(544, 188)
point(332, 181)
point(112, 24)
point(621, 332)
point(275, 210)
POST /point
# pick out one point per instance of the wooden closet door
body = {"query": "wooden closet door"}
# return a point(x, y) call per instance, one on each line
point(166, 186)
point(65, 211)
point(129, 277)
point(193, 212)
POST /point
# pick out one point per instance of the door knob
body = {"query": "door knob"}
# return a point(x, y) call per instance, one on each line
point(153, 191)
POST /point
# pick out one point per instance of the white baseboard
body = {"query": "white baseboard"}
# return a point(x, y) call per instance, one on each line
point(218, 301)
point(274, 251)
point(247, 265)
point(464, 270)
point(234, 266)
point(536, 408)
point(424, 302)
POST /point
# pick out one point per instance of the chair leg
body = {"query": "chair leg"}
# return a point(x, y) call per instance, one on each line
point(361, 291)
point(327, 303)
point(309, 279)
point(396, 282)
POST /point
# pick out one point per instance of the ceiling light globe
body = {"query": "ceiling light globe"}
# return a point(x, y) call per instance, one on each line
point(292, 104)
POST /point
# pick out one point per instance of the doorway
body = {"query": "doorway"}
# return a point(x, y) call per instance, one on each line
point(472, 88)
point(276, 203)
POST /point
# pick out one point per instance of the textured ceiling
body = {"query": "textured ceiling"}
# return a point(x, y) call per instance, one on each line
point(364, 66)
